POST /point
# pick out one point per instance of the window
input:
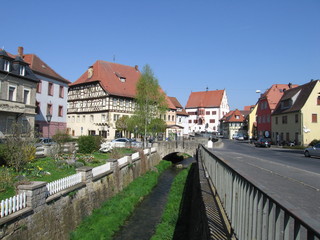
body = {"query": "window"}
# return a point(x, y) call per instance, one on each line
point(180, 120)
point(39, 86)
point(172, 118)
point(91, 118)
point(237, 116)
point(276, 120)
point(12, 93)
point(318, 100)
point(190, 121)
point(314, 118)
point(50, 89)
point(78, 119)
point(214, 112)
point(207, 112)
point(61, 92)
point(26, 96)
point(22, 70)
point(284, 119)
point(195, 121)
point(49, 109)
point(212, 120)
point(296, 118)
point(83, 118)
point(60, 112)
point(6, 66)
point(37, 107)
point(103, 118)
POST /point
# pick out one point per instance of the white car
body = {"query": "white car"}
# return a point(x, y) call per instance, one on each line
point(118, 143)
point(312, 151)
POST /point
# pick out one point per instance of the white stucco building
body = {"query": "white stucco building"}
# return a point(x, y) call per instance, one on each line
point(205, 109)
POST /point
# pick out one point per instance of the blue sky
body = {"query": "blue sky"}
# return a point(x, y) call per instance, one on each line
point(240, 46)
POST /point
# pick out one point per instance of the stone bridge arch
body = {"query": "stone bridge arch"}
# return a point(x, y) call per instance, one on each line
point(170, 147)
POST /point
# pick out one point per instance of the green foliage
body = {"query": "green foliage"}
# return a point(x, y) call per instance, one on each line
point(121, 123)
point(150, 100)
point(314, 142)
point(165, 230)
point(89, 144)
point(116, 210)
point(6, 179)
point(18, 149)
point(61, 137)
point(157, 125)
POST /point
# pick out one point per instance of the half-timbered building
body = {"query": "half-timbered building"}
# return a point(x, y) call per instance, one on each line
point(102, 95)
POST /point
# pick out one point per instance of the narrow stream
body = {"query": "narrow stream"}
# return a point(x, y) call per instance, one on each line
point(141, 225)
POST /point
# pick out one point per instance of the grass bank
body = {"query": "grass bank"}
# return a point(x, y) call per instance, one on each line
point(49, 169)
point(107, 220)
point(165, 229)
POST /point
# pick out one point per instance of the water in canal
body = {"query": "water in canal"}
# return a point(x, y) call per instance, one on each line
point(141, 225)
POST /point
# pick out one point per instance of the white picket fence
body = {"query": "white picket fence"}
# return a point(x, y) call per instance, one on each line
point(13, 204)
point(63, 183)
point(101, 169)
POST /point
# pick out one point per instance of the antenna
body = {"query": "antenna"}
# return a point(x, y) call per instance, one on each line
point(114, 58)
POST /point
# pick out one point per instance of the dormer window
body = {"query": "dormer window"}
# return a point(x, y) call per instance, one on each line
point(6, 66)
point(121, 78)
point(22, 70)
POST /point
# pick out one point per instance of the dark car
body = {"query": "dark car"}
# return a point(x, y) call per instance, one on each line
point(263, 142)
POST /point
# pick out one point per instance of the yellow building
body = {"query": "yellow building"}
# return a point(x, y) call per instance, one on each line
point(252, 124)
point(296, 117)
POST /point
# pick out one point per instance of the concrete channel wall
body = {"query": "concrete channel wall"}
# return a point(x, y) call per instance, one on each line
point(56, 216)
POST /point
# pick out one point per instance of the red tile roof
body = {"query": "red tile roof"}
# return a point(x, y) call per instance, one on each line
point(175, 102)
point(107, 74)
point(231, 116)
point(274, 94)
point(40, 67)
point(205, 99)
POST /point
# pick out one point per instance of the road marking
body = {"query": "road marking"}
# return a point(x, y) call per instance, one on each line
point(278, 174)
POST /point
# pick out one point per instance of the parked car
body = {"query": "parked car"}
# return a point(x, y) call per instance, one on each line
point(263, 142)
point(119, 142)
point(312, 151)
point(44, 141)
point(235, 136)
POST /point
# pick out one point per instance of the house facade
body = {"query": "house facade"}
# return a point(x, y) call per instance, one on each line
point(251, 121)
point(181, 121)
point(205, 109)
point(102, 95)
point(266, 105)
point(232, 123)
point(51, 97)
point(296, 118)
point(17, 93)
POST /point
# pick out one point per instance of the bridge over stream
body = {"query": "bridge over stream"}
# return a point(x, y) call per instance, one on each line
point(234, 207)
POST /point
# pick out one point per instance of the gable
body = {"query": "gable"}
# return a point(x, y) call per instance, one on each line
point(205, 99)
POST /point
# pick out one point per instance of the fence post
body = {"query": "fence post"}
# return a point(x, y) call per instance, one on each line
point(36, 193)
point(86, 174)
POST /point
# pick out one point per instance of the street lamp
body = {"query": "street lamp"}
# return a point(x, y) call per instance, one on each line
point(49, 117)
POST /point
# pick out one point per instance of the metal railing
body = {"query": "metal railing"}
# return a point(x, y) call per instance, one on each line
point(251, 212)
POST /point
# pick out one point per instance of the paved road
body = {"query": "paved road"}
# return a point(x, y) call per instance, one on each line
point(286, 175)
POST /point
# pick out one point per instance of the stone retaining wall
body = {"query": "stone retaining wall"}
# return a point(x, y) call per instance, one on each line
point(56, 216)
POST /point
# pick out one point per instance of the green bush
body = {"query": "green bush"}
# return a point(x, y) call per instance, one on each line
point(314, 142)
point(62, 137)
point(89, 144)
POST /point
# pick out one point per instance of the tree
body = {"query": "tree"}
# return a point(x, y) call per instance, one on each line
point(122, 123)
point(150, 100)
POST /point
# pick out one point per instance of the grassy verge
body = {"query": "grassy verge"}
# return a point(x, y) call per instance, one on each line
point(48, 169)
point(107, 220)
point(165, 229)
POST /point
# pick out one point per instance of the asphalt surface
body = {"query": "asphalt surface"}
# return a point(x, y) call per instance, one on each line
point(285, 175)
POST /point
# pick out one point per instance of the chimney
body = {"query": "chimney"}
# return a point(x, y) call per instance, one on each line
point(90, 71)
point(20, 51)
point(290, 85)
point(136, 67)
